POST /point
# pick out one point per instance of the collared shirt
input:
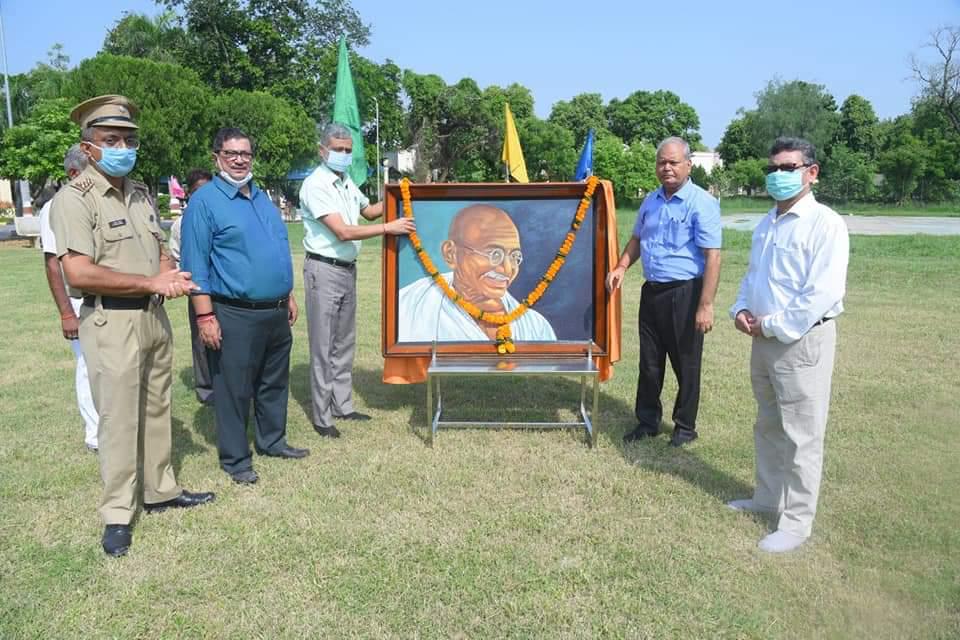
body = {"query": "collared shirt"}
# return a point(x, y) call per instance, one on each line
point(236, 246)
point(324, 193)
point(674, 232)
point(117, 228)
point(798, 270)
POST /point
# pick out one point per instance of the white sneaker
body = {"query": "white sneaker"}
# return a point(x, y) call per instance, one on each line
point(748, 505)
point(781, 542)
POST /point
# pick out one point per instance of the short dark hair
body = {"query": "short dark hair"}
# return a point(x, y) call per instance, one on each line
point(197, 175)
point(230, 133)
point(787, 143)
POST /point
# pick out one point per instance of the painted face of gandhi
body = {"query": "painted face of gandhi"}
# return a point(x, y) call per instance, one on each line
point(483, 249)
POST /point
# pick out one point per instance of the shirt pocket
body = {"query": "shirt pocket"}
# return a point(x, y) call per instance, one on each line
point(676, 232)
point(116, 230)
point(787, 265)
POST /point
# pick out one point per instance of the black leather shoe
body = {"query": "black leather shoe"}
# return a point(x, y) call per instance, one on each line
point(680, 438)
point(286, 452)
point(640, 433)
point(183, 501)
point(327, 432)
point(116, 539)
point(354, 415)
point(247, 476)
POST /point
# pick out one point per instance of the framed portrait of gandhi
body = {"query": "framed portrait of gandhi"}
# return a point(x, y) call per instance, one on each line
point(491, 251)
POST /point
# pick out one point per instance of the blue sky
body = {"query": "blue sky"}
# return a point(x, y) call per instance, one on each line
point(714, 55)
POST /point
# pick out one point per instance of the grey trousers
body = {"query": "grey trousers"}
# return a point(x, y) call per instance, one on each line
point(791, 383)
point(331, 295)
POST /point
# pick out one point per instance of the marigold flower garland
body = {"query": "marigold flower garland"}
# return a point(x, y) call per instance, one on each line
point(504, 340)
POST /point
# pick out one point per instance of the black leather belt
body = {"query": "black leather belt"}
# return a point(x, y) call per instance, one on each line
point(113, 302)
point(821, 321)
point(335, 262)
point(257, 305)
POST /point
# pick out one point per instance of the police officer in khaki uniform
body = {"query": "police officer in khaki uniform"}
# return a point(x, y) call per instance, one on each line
point(111, 247)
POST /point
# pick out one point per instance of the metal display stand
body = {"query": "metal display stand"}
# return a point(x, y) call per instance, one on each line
point(582, 367)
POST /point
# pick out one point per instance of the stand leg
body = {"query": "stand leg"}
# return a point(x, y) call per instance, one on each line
point(594, 416)
point(430, 410)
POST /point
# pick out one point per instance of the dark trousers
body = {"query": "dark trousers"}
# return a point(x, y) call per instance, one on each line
point(667, 328)
point(203, 384)
point(253, 364)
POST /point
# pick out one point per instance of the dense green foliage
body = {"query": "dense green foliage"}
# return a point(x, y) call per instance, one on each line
point(271, 65)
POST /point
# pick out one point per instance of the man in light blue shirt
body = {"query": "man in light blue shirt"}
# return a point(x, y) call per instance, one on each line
point(678, 236)
point(332, 207)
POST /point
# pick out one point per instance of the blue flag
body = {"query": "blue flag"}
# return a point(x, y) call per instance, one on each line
point(585, 165)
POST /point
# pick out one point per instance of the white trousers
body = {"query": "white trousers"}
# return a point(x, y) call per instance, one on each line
point(84, 397)
point(791, 383)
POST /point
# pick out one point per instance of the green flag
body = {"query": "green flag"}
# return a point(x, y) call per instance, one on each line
point(345, 112)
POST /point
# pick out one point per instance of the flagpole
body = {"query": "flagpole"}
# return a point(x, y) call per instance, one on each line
point(24, 185)
point(379, 184)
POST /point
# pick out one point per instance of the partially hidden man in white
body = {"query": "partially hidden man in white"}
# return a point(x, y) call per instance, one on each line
point(483, 250)
point(788, 301)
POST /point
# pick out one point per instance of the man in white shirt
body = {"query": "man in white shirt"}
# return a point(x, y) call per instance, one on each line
point(788, 302)
point(68, 303)
point(332, 206)
point(483, 249)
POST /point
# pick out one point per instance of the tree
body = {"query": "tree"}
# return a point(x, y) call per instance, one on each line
point(33, 150)
point(548, 150)
point(795, 108)
point(269, 45)
point(175, 109)
point(903, 160)
point(285, 135)
point(43, 82)
point(846, 175)
point(737, 143)
point(700, 177)
point(940, 81)
point(652, 116)
point(631, 168)
point(580, 114)
point(140, 36)
point(748, 175)
point(859, 130)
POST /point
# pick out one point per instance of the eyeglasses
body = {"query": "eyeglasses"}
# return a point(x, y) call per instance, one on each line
point(112, 142)
point(772, 168)
point(230, 154)
point(496, 255)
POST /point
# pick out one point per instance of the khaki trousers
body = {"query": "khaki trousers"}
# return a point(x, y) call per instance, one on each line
point(129, 357)
point(791, 383)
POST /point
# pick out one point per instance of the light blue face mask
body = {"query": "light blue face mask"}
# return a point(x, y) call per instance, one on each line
point(783, 185)
point(339, 161)
point(116, 162)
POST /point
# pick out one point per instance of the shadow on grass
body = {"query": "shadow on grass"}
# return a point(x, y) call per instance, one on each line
point(513, 397)
point(184, 444)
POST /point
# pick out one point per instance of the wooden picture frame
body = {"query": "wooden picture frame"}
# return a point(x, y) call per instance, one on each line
point(542, 213)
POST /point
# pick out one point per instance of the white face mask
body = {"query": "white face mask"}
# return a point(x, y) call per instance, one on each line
point(230, 180)
point(237, 183)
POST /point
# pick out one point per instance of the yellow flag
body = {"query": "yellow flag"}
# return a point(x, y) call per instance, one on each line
point(512, 153)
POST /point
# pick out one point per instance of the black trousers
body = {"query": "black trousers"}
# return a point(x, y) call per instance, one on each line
point(667, 329)
point(203, 385)
point(252, 365)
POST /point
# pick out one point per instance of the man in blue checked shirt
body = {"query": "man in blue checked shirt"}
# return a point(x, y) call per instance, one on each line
point(235, 245)
point(677, 234)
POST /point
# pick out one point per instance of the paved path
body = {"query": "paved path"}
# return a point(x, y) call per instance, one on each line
point(9, 231)
point(866, 225)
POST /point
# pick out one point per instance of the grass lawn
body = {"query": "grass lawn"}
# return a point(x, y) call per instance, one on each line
point(506, 534)
point(734, 205)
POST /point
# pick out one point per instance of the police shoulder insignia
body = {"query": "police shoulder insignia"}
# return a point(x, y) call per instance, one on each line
point(82, 184)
